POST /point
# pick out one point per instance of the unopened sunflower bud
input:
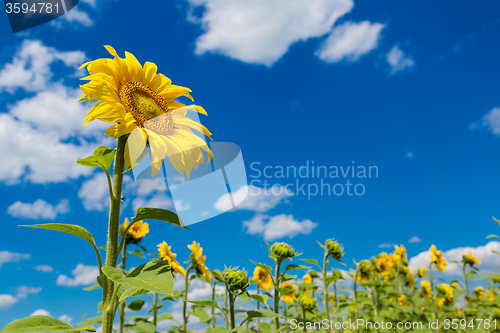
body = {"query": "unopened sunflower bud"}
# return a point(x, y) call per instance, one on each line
point(283, 251)
point(235, 279)
point(334, 249)
point(342, 298)
point(307, 302)
point(313, 274)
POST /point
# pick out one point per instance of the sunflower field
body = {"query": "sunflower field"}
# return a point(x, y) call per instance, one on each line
point(286, 292)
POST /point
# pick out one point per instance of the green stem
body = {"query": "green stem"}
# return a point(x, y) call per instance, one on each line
point(113, 231)
point(276, 293)
point(123, 305)
point(184, 306)
point(466, 283)
point(325, 284)
point(213, 299)
point(231, 309)
point(155, 311)
point(258, 307)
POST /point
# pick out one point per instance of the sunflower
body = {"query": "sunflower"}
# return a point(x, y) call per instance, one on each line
point(167, 255)
point(426, 290)
point(198, 261)
point(438, 259)
point(403, 301)
point(421, 272)
point(385, 266)
point(262, 278)
point(138, 230)
point(469, 259)
point(331, 299)
point(290, 296)
point(133, 97)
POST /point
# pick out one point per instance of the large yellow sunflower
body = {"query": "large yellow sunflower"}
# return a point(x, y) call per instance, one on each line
point(167, 255)
point(136, 97)
point(438, 259)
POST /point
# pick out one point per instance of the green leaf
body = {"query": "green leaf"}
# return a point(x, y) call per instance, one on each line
point(137, 253)
point(142, 326)
point(268, 269)
point(217, 275)
point(102, 158)
point(152, 276)
point(262, 314)
point(265, 328)
point(42, 324)
point(93, 287)
point(312, 261)
point(136, 305)
point(165, 316)
point(292, 267)
point(260, 298)
point(493, 236)
point(160, 215)
point(127, 291)
point(284, 290)
point(201, 313)
point(212, 304)
point(91, 321)
point(75, 230)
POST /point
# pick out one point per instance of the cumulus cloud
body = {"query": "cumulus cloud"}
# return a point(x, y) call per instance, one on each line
point(279, 226)
point(65, 318)
point(386, 245)
point(42, 135)
point(30, 68)
point(6, 301)
point(39, 209)
point(7, 257)
point(254, 198)
point(41, 312)
point(261, 31)
point(44, 268)
point(82, 276)
point(398, 60)
point(94, 193)
point(491, 121)
point(350, 41)
point(24, 291)
point(414, 239)
point(489, 260)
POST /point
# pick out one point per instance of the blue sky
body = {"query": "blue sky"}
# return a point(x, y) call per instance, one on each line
point(409, 88)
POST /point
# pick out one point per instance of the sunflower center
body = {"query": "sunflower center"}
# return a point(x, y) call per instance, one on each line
point(147, 107)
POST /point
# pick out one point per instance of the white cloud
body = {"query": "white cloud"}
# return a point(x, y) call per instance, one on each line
point(492, 121)
point(489, 260)
point(386, 245)
point(82, 276)
point(44, 268)
point(261, 31)
point(41, 312)
point(6, 301)
point(278, 226)
point(94, 193)
point(30, 67)
point(7, 257)
point(350, 41)
point(398, 61)
point(77, 16)
point(258, 199)
point(24, 291)
point(42, 135)
point(39, 209)
point(414, 239)
point(65, 318)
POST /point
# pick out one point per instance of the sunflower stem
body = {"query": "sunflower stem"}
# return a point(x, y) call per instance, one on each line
point(113, 231)
point(276, 293)
point(123, 305)
point(325, 284)
point(184, 306)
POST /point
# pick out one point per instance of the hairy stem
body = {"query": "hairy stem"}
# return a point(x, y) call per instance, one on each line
point(113, 231)
point(276, 293)
point(123, 306)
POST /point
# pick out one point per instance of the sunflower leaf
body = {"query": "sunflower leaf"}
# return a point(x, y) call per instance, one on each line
point(102, 158)
point(262, 314)
point(42, 324)
point(267, 268)
point(152, 276)
point(158, 214)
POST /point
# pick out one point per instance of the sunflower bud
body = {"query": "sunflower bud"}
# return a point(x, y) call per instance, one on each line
point(307, 302)
point(313, 274)
point(283, 251)
point(342, 298)
point(235, 279)
point(334, 249)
